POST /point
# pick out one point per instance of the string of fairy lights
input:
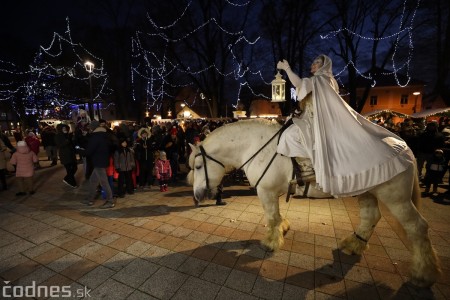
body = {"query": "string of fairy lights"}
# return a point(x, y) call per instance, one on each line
point(38, 87)
point(157, 69)
point(405, 27)
point(155, 75)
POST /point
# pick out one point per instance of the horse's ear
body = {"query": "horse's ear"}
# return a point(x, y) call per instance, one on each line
point(193, 147)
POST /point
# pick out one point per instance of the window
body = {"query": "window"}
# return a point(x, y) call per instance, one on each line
point(373, 100)
point(404, 99)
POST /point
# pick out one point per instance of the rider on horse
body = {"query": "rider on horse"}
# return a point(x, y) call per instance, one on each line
point(348, 153)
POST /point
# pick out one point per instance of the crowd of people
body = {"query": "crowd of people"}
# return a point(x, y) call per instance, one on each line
point(115, 161)
point(126, 158)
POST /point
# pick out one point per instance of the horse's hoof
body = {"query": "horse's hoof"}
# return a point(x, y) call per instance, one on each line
point(266, 247)
point(420, 282)
point(196, 203)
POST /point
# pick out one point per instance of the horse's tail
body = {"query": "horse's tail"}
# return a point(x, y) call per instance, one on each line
point(416, 193)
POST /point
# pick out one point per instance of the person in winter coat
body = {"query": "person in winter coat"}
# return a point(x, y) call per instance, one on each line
point(99, 150)
point(435, 169)
point(3, 149)
point(48, 142)
point(163, 171)
point(124, 164)
point(81, 139)
point(67, 153)
point(145, 146)
point(23, 160)
point(34, 144)
point(172, 146)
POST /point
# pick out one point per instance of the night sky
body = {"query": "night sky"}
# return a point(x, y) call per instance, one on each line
point(25, 25)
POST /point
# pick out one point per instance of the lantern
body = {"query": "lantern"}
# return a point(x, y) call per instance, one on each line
point(278, 88)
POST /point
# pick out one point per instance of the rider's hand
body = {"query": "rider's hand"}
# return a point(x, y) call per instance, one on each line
point(283, 65)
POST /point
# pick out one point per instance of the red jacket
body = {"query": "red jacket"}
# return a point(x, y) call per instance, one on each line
point(162, 167)
point(33, 143)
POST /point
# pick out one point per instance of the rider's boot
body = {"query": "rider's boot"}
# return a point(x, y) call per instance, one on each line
point(306, 168)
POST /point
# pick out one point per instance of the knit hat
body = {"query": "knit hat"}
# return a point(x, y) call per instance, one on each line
point(94, 124)
point(162, 154)
point(31, 133)
point(21, 144)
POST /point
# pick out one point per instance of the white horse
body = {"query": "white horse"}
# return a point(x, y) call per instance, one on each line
point(232, 145)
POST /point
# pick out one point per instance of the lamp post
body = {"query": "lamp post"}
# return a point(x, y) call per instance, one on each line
point(415, 101)
point(90, 68)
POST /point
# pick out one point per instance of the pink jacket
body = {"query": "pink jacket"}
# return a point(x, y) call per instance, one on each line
point(162, 167)
point(24, 160)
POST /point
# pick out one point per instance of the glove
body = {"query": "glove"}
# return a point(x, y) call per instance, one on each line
point(283, 65)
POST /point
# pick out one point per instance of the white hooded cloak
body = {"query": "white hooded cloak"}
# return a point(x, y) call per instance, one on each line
point(349, 153)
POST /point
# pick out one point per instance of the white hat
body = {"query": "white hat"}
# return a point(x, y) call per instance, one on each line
point(21, 144)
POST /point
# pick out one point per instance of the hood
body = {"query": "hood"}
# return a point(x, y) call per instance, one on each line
point(99, 129)
point(23, 149)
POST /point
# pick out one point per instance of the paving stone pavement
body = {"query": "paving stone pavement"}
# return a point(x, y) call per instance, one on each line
point(156, 245)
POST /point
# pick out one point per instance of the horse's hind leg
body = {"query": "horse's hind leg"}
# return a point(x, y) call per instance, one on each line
point(369, 215)
point(425, 264)
point(276, 224)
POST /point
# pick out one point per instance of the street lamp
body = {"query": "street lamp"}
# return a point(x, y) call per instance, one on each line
point(415, 101)
point(90, 68)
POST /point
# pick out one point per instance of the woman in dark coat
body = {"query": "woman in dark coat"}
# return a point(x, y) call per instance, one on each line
point(67, 156)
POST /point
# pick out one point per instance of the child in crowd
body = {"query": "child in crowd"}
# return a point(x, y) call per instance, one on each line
point(23, 160)
point(435, 170)
point(124, 163)
point(163, 171)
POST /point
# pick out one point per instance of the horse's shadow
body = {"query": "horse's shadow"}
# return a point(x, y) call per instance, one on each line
point(332, 273)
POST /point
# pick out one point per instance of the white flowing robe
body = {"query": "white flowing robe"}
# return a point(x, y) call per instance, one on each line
point(349, 153)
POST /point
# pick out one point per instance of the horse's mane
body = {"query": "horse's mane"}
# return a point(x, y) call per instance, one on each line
point(249, 123)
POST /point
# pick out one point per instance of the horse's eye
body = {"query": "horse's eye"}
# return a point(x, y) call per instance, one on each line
point(198, 167)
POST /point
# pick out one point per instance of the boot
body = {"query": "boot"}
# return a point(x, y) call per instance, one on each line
point(307, 169)
point(161, 188)
point(165, 188)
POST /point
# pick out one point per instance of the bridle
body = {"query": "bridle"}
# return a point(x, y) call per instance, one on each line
point(205, 156)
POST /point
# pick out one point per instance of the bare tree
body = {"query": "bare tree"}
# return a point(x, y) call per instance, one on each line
point(372, 34)
point(293, 28)
point(433, 48)
point(202, 47)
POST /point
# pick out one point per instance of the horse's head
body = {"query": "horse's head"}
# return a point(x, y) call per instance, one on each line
point(206, 173)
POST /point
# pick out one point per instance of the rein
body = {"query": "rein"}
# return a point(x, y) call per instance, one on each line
point(205, 156)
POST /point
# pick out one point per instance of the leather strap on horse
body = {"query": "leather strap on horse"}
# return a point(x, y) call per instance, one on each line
point(280, 131)
point(204, 156)
point(265, 170)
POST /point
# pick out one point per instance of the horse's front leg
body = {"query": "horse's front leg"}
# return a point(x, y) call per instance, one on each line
point(277, 225)
point(369, 215)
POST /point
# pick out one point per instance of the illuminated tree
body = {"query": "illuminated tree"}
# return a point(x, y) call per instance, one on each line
point(204, 45)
